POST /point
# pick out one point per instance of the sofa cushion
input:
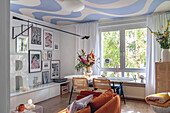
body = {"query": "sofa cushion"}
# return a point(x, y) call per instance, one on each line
point(101, 100)
point(90, 92)
point(112, 106)
point(80, 104)
point(85, 110)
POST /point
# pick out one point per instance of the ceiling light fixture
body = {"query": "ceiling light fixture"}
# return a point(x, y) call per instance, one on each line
point(72, 5)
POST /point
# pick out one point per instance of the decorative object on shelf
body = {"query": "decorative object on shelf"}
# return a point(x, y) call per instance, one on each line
point(45, 77)
point(46, 65)
point(44, 55)
point(164, 40)
point(142, 78)
point(30, 105)
point(49, 55)
point(34, 61)
point(55, 69)
point(56, 46)
point(48, 40)
point(22, 44)
point(86, 62)
point(23, 28)
point(18, 65)
point(24, 88)
point(20, 108)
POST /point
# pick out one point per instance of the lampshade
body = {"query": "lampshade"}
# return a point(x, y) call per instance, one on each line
point(72, 5)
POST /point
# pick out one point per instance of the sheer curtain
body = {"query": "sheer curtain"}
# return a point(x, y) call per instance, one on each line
point(88, 29)
point(155, 22)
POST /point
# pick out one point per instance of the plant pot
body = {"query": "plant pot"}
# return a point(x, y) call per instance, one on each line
point(165, 55)
point(87, 72)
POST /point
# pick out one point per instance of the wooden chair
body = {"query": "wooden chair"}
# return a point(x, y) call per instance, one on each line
point(101, 85)
point(80, 84)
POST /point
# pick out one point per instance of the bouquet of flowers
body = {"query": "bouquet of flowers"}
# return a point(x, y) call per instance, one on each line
point(85, 60)
point(163, 38)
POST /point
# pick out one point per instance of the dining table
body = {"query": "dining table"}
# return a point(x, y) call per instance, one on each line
point(113, 80)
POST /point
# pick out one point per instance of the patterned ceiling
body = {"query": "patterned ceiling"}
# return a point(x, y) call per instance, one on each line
point(51, 10)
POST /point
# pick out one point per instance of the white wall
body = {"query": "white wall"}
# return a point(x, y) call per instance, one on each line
point(4, 56)
point(55, 56)
point(67, 46)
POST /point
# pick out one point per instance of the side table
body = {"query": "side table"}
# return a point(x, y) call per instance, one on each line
point(37, 109)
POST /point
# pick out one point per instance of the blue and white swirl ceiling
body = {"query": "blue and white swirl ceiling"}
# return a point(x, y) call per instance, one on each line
point(51, 10)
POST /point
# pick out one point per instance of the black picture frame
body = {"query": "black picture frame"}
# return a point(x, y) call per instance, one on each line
point(46, 77)
point(55, 69)
point(30, 61)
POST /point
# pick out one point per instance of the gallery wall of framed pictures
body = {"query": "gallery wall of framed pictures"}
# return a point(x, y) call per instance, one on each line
point(38, 43)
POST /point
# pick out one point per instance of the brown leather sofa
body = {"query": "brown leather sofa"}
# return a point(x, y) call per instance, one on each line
point(106, 102)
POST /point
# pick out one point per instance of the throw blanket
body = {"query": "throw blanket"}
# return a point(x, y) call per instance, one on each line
point(160, 99)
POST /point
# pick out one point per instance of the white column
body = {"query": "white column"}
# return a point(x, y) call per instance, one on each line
point(4, 55)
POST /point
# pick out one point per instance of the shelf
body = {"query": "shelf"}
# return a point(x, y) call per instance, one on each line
point(32, 89)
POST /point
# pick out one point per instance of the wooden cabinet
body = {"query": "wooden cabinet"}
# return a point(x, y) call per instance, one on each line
point(162, 77)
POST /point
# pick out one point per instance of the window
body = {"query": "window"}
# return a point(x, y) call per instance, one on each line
point(123, 50)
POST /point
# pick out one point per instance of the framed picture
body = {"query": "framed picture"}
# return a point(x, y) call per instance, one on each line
point(22, 44)
point(34, 61)
point(56, 46)
point(24, 27)
point(35, 39)
point(45, 77)
point(46, 65)
point(48, 40)
point(49, 55)
point(44, 55)
point(55, 69)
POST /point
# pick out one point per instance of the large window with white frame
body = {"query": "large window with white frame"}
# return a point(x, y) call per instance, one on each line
point(123, 50)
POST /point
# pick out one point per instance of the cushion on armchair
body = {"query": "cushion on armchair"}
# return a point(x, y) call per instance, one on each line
point(101, 100)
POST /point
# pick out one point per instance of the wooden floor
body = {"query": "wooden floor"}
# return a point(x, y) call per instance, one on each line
point(54, 105)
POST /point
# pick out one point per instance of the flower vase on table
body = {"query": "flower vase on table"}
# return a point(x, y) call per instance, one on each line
point(164, 40)
point(86, 62)
point(87, 72)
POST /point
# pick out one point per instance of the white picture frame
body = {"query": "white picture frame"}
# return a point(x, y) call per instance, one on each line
point(34, 46)
point(22, 44)
point(55, 69)
point(46, 65)
point(48, 40)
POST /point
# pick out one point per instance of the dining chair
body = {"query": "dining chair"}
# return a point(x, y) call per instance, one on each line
point(80, 84)
point(101, 85)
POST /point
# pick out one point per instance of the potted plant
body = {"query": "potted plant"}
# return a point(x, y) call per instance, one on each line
point(86, 62)
point(164, 40)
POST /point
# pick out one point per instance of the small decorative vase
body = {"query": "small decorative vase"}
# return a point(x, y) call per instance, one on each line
point(87, 72)
point(165, 55)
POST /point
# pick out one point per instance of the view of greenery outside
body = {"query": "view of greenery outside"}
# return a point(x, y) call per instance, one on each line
point(111, 48)
point(135, 47)
point(135, 50)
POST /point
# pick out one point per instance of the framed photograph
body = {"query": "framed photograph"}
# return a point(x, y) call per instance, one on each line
point(22, 44)
point(45, 77)
point(44, 55)
point(55, 69)
point(34, 61)
point(49, 55)
point(24, 27)
point(35, 38)
point(46, 65)
point(56, 46)
point(48, 40)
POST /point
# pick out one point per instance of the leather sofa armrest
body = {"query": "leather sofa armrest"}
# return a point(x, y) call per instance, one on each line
point(112, 106)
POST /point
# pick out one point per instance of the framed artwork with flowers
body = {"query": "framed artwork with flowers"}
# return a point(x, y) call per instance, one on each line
point(34, 61)
point(48, 40)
